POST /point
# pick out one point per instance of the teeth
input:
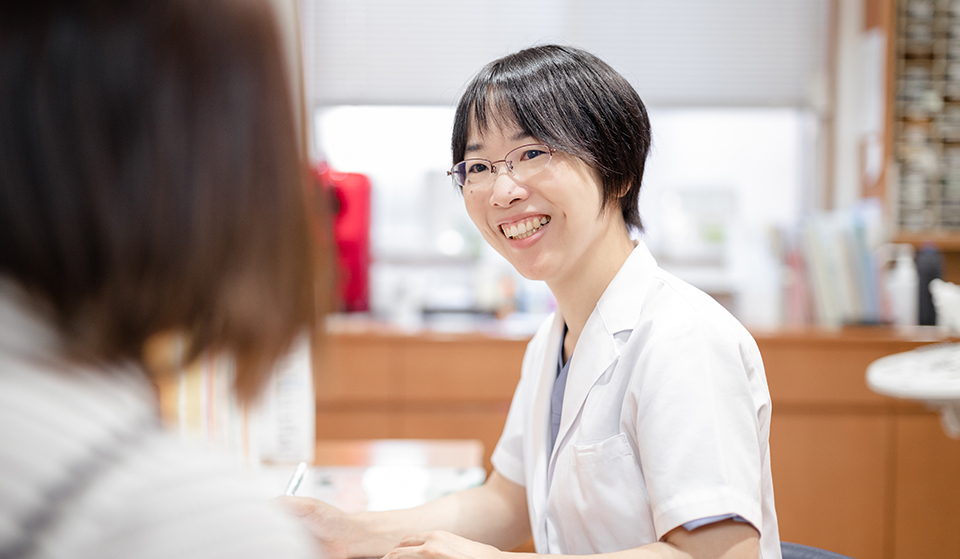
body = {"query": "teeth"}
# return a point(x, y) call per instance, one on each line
point(525, 228)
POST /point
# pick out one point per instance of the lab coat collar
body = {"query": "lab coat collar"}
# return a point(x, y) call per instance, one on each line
point(541, 428)
point(620, 304)
point(597, 348)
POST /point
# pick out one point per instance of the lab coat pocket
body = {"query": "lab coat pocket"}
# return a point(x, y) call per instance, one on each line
point(600, 498)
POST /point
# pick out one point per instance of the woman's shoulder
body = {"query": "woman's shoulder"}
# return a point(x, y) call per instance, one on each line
point(181, 502)
point(645, 295)
point(682, 319)
point(670, 296)
point(87, 468)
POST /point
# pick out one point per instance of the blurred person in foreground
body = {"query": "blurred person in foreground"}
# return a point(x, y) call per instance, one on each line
point(640, 424)
point(150, 184)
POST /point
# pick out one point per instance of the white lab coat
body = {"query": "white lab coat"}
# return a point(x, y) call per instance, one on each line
point(666, 418)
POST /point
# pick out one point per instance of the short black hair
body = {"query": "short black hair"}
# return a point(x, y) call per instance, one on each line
point(572, 101)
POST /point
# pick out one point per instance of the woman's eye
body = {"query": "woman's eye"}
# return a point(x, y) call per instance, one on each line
point(531, 154)
point(475, 168)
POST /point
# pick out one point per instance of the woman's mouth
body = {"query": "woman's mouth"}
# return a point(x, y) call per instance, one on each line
point(525, 228)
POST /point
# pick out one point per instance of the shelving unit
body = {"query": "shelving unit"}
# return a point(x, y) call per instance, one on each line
point(927, 120)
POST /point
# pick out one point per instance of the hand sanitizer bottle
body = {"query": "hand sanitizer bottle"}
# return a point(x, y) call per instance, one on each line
point(902, 287)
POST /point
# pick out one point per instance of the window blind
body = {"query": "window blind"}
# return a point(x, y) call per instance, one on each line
point(676, 53)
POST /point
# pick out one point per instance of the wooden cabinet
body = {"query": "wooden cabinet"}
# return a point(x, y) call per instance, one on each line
point(854, 472)
point(387, 384)
point(828, 475)
point(926, 494)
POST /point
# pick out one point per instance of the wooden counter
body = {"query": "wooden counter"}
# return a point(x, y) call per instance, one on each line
point(428, 453)
point(384, 383)
point(854, 472)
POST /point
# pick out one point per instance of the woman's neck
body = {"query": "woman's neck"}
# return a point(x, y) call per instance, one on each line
point(577, 295)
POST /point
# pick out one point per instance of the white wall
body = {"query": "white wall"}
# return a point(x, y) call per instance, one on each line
point(757, 159)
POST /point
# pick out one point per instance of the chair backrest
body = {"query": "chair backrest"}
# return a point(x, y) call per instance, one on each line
point(797, 551)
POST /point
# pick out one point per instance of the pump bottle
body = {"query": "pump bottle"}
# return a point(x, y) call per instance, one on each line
point(902, 285)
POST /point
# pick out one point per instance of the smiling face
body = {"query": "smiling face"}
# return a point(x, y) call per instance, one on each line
point(549, 225)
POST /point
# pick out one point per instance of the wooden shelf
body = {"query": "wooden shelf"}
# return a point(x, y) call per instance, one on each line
point(946, 241)
point(886, 336)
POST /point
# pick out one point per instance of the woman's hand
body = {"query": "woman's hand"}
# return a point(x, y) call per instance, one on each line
point(495, 512)
point(333, 528)
point(441, 545)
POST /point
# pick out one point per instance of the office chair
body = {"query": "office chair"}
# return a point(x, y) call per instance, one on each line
point(797, 551)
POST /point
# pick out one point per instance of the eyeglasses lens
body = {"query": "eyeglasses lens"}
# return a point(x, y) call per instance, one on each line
point(521, 162)
point(526, 161)
point(472, 172)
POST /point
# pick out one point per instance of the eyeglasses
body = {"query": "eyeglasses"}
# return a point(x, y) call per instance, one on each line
point(521, 162)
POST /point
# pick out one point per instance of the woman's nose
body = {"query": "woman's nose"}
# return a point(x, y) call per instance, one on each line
point(506, 190)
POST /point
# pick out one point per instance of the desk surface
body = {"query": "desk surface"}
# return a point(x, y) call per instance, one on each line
point(385, 474)
point(450, 453)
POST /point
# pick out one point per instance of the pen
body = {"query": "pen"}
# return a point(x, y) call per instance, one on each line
point(296, 478)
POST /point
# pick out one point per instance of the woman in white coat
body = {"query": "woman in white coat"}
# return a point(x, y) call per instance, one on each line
point(641, 421)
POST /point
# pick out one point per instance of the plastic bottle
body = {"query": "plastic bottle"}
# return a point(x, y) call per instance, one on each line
point(902, 283)
point(284, 424)
point(929, 268)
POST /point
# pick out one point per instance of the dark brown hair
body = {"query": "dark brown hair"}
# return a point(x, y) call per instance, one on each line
point(572, 101)
point(150, 177)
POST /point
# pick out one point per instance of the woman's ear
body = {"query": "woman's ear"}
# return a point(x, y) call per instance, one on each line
point(162, 357)
point(163, 353)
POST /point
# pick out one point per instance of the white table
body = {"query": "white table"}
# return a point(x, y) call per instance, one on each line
point(385, 474)
point(930, 374)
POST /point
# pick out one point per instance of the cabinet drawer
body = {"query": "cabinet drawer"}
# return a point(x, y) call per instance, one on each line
point(470, 370)
point(356, 369)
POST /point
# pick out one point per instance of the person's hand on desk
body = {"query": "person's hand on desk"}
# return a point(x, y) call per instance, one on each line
point(344, 536)
point(441, 545)
point(336, 531)
point(347, 536)
point(494, 513)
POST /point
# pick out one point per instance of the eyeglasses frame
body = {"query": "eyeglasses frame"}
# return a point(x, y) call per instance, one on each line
point(493, 164)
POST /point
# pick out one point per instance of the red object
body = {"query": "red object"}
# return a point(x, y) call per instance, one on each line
point(349, 196)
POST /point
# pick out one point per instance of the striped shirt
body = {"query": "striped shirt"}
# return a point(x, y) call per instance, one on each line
point(85, 470)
